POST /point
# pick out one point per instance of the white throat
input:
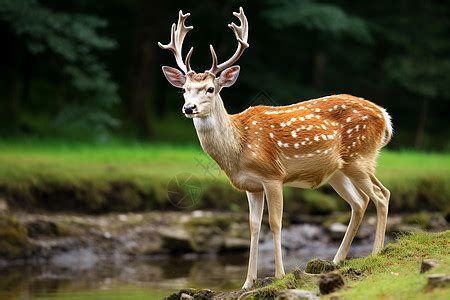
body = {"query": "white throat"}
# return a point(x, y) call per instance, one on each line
point(219, 137)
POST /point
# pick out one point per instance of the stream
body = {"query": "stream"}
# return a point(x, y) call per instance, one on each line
point(86, 274)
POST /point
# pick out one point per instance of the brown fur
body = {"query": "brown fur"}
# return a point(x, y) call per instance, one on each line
point(200, 76)
point(330, 143)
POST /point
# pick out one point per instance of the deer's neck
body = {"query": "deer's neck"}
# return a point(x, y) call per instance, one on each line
point(219, 137)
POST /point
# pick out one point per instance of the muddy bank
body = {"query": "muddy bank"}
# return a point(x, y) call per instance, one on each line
point(105, 196)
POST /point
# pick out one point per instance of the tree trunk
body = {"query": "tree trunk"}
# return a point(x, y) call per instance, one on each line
point(318, 69)
point(142, 71)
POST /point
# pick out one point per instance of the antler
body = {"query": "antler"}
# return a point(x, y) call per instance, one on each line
point(241, 33)
point(177, 35)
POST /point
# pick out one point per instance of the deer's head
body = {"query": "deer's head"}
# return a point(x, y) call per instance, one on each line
point(201, 90)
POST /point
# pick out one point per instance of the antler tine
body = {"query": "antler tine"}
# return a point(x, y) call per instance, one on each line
point(214, 60)
point(187, 62)
point(241, 34)
point(177, 34)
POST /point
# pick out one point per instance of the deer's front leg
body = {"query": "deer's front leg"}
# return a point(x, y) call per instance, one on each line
point(256, 207)
point(274, 195)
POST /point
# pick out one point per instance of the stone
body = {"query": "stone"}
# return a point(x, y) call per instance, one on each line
point(204, 294)
point(176, 240)
point(185, 296)
point(318, 266)
point(3, 205)
point(41, 228)
point(438, 281)
point(330, 282)
point(337, 231)
point(428, 264)
point(297, 294)
point(235, 244)
point(261, 282)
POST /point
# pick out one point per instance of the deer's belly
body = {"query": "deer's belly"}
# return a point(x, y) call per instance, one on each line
point(300, 184)
point(247, 182)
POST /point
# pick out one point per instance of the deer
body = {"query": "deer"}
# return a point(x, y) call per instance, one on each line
point(334, 139)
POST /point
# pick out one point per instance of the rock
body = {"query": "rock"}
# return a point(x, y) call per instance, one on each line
point(176, 240)
point(355, 273)
point(41, 228)
point(261, 282)
point(330, 282)
point(191, 294)
point(428, 264)
point(185, 296)
point(296, 294)
point(438, 281)
point(337, 231)
point(3, 205)
point(438, 223)
point(204, 294)
point(235, 244)
point(318, 266)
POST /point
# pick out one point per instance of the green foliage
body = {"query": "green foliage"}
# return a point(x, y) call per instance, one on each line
point(419, 60)
point(73, 40)
point(324, 18)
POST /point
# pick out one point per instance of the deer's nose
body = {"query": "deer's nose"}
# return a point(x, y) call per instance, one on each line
point(189, 108)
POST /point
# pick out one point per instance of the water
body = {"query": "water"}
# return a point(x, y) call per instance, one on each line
point(83, 275)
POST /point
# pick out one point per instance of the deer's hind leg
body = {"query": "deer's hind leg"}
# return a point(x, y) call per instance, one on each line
point(362, 175)
point(358, 201)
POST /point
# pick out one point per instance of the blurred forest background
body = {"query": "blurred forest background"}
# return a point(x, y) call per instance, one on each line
point(104, 186)
point(91, 70)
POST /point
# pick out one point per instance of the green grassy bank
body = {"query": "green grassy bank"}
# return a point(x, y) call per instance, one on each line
point(121, 177)
point(393, 274)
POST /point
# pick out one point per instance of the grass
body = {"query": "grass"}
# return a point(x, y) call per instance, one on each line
point(394, 274)
point(147, 169)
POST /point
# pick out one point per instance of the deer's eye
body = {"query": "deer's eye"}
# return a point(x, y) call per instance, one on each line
point(210, 90)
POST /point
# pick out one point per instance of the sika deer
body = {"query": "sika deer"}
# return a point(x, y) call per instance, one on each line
point(334, 139)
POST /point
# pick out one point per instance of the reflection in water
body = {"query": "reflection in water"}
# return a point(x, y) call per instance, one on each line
point(79, 275)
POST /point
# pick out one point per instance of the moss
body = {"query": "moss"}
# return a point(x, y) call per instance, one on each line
point(318, 266)
point(292, 280)
point(13, 239)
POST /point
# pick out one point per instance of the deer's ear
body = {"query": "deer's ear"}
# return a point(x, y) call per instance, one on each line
point(229, 76)
point(174, 76)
